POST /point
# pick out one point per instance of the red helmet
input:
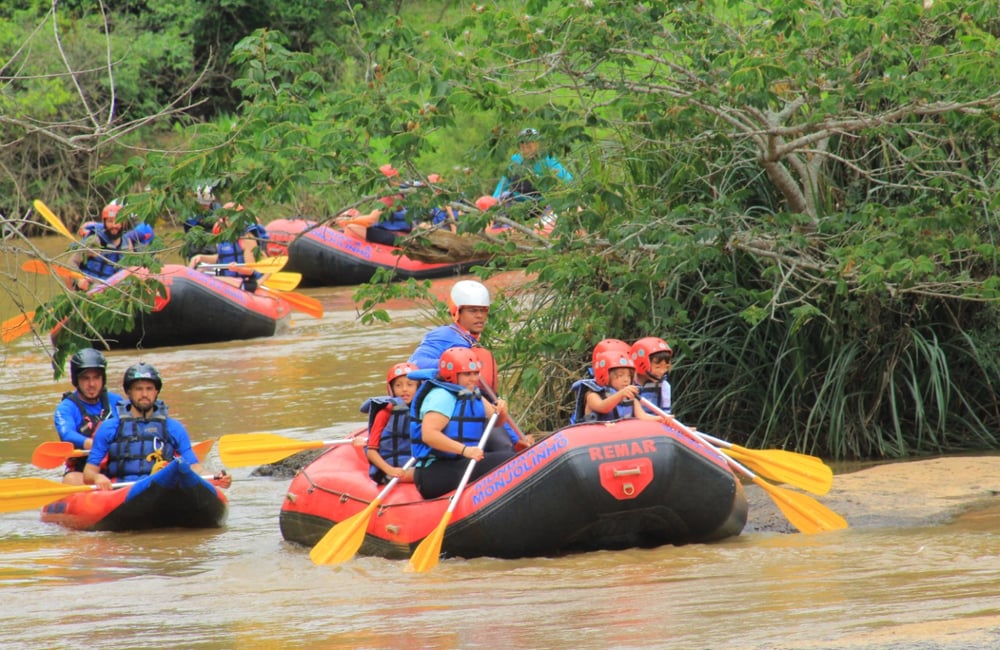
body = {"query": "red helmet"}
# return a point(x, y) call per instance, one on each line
point(486, 202)
point(605, 362)
point(111, 211)
point(456, 360)
point(399, 370)
point(644, 349)
point(610, 345)
point(388, 170)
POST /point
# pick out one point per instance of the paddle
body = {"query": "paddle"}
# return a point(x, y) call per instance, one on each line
point(805, 513)
point(30, 493)
point(265, 265)
point(298, 301)
point(16, 327)
point(428, 553)
point(246, 449)
point(38, 266)
point(343, 540)
point(53, 220)
point(806, 472)
point(283, 281)
point(52, 454)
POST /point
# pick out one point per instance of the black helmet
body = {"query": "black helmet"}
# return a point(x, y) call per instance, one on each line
point(87, 359)
point(142, 371)
point(528, 135)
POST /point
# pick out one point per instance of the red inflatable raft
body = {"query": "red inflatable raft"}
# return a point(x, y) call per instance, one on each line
point(197, 308)
point(592, 486)
point(172, 497)
point(328, 256)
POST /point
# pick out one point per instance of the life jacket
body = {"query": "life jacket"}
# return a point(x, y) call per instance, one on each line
point(465, 424)
point(653, 391)
point(140, 446)
point(394, 444)
point(88, 423)
point(581, 388)
point(105, 263)
point(396, 222)
point(229, 252)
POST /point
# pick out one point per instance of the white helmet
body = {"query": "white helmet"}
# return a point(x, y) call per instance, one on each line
point(205, 195)
point(467, 293)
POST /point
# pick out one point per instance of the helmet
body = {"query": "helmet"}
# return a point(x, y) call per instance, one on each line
point(111, 210)
point(610, 345)
point(144, 231)
point(528, 135)
point(399, 370)
point(87, 359)
point(142, 371)
point(605, 362)
point(467, 293)
point(434, 178)
point(644, 349)
point(388, 170)
point(205, 195)
point(486, 202)
point(456, 360)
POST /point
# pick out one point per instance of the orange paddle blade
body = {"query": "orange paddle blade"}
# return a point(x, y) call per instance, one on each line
point(202, 448)
point(300, 302)
point(16, 327)
point(38, 266)
point(50, 455)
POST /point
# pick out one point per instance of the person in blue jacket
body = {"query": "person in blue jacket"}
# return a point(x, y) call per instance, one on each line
point(98, 255)
point(529, 161)
point(235, 252)
point(448, 418)
point(81, 411)
point(142, 438)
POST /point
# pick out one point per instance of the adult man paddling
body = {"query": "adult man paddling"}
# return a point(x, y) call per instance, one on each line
point(82, 410)
point(469, 306)
point(143, 437)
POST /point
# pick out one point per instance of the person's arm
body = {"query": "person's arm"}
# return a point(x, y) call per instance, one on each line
point(375, 438)
point(432, 433)
point(92, 470)
point(67, 424)
point(184, 449)
point(598, 405)
point(561, 172)
point(203, 258)
point(429, 351)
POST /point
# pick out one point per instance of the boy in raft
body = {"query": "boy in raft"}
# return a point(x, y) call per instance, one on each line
point(449, 416)
point(612, 393)
point(653, 359)
point(388, 447)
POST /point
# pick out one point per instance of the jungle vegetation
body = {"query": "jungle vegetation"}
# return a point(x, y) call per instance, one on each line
point(800, 196)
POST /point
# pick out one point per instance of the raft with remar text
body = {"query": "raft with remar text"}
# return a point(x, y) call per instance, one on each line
point(593, 486)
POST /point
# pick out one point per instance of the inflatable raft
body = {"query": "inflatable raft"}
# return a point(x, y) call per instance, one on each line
point(591, 486)
point(197, 308)
point(328, 256)
point(172, 497)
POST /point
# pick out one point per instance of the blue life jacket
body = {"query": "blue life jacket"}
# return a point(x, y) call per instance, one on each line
point(139, 443)
point(396, 222)
point(583, 386)
point(105, 263)
point(652, 391)
point(394, 445)
point(465, 425)
point(88, 423)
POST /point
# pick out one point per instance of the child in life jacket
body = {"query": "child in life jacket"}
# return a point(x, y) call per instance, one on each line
point(653, 360)
point(605, 345)
point(388, 446)
point(612, 393)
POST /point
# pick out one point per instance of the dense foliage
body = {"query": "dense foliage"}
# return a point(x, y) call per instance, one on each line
point(800, 196)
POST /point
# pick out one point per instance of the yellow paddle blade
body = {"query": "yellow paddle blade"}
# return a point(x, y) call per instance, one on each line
point(283, 281)
point(803, 512)
point(270, 264)
point(246, 449)
point(428, 553)
point(343, 540)
point(785, 467)
point(53, 220)
point(30, 493)
point(16, 327)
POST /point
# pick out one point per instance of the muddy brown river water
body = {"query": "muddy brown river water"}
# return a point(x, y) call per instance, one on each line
point(918, 569)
